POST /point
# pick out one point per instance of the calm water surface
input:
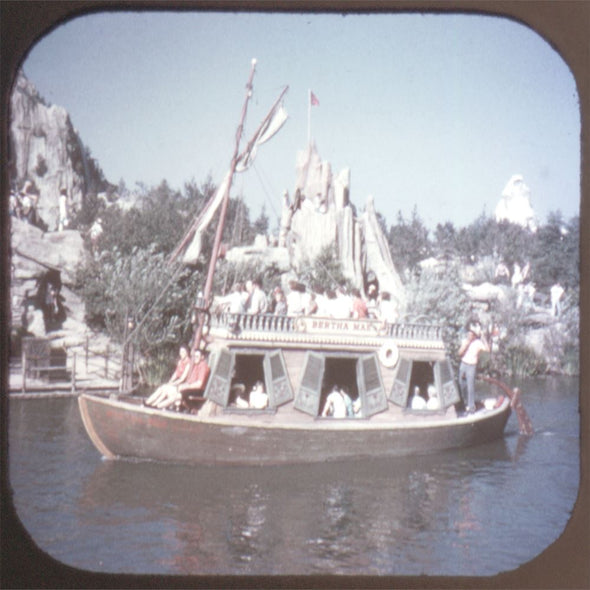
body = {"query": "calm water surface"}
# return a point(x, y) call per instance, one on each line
point(476, 512)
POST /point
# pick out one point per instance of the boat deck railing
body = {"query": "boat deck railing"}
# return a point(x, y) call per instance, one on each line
point(267, 323)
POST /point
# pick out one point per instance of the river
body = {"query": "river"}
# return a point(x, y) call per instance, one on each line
point(478, 512)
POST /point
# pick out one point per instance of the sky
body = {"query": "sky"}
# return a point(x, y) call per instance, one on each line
point(429, 111)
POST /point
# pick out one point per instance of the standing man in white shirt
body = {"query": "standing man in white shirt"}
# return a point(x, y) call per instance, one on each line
point(469, 351)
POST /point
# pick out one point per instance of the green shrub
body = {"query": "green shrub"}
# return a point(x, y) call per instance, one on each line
point(437, 297)
point(521, 361)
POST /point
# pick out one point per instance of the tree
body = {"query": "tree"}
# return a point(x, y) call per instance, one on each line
point(555, 256)
point(445, 237)
point(438, 297)
point(261, 224)
point(409, 242)
point(140, 286)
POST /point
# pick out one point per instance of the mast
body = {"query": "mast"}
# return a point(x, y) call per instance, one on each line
point(203, 306)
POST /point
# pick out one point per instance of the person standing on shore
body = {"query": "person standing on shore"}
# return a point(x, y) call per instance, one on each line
point(469, 351)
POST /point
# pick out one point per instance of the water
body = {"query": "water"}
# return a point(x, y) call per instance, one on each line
point(479, 511)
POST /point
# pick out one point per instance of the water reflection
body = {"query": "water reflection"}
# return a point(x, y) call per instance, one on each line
point(440, 513)
point(339, 518)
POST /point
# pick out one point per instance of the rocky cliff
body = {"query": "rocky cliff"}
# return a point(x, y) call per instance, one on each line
point(48, 154)
point(46, 157)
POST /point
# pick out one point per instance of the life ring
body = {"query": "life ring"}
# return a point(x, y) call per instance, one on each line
point(389, 354)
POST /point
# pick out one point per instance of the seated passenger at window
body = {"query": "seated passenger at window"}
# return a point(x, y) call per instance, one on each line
point(335, 405)
point(237, 393)
point(258, 397)
point(433, 402)
point(417, 402)
point(345, 392)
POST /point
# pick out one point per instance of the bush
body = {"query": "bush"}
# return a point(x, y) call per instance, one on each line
point(438, 298)
point(521, 361)
point(143, 288)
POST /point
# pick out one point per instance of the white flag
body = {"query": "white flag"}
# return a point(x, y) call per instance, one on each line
point(193, 250)
point(270, 127)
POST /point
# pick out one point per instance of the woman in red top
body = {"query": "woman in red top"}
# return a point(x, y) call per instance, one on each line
point(166, 393)
point(359, 306)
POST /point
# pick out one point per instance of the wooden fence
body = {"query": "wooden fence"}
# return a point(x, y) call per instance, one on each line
point(64, 365)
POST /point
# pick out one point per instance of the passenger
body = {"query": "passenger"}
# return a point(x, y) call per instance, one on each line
point(372, 293)
point(197, 378)
point(359, 306)
point(258, 302)
point(234, 301)
point(433, 402)
point(238, 390)
point(280, 302)
point(258, 397)
point(417, 402)
point(387, 308)
point(295, 300)
point(345, 392)
point(343, 305)
point(167, 393)
point(335, 405)
point(469, 351)
point(329, 303)
point(372, 302)
point(323, 302)
point(312, 305)
point(356, 406)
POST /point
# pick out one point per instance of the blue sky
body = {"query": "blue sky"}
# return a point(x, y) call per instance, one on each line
point(433, 111)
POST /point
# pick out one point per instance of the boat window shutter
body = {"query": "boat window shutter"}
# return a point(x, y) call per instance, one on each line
point(308, 396)
point(280, 390)
point(371, 392)
point(220, 379)
point(446, 383)
point(399, 391)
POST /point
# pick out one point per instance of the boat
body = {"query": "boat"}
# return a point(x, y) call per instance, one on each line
point(298, 359)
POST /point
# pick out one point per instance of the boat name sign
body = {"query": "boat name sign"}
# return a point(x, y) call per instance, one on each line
point(312, 325)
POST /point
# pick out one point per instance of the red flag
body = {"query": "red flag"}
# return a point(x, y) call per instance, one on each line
point(314, 100)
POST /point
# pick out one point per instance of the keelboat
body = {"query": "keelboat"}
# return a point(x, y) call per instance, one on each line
point(298, 359)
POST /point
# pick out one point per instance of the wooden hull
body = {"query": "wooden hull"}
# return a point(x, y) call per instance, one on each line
point(123, 428)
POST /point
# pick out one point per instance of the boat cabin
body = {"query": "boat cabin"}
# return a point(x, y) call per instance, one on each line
point(300, 360)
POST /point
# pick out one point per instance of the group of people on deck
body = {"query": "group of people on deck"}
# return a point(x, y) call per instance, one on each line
point(418, 402)
point(339, 404)
point(257, 398)
point(189, 378)
point(339, 303)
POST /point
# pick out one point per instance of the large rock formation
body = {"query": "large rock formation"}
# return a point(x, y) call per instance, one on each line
point(515, 204)
point(48, 154)
point(320, 214)
point(42, 261)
